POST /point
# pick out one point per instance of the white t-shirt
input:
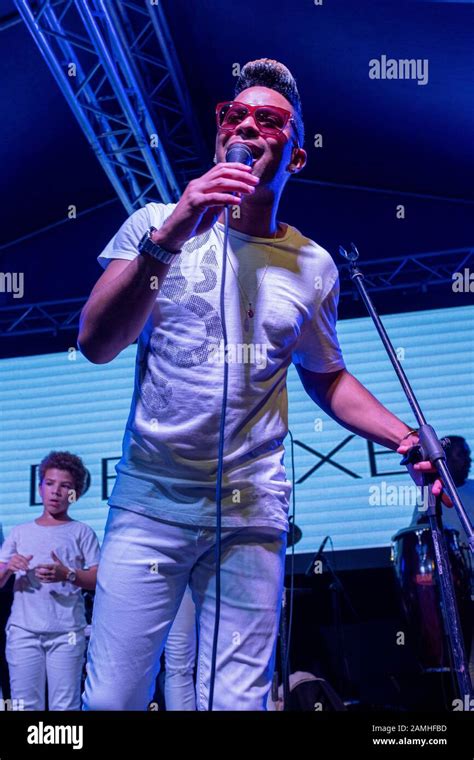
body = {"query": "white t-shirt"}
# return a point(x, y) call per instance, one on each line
point(169, 462)
point(49, 607)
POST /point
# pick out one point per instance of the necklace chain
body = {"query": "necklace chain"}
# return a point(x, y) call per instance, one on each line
point(250, 312)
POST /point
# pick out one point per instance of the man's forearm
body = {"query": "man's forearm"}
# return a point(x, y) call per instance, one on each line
point(353, 406)
point(117, 311)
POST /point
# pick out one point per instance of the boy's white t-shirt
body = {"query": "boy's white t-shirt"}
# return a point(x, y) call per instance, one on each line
point(49, 607)
point(169, 462)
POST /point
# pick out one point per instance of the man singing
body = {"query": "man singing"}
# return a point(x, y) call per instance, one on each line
point(162, 286)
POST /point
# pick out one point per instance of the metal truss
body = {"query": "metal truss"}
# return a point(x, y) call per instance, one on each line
point(418, 271)
point(117, 68)
point(50, 317)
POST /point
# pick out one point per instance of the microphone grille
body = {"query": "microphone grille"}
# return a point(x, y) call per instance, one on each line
point(240, 153)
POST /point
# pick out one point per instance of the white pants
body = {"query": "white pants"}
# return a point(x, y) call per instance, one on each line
point(180, 657)
point(34, 658)
point(144, 568)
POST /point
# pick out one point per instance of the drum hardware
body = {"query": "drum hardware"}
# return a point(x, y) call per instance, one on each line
point(338, 596)
point(414, 564)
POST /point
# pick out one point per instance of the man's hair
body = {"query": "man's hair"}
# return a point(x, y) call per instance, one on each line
point(266, 72)
point(64, 460)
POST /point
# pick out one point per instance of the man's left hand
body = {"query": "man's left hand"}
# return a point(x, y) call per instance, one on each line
point(416, 470)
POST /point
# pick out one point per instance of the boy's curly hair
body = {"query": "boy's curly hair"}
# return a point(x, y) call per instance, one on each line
point(265, 72)
point(64, 460)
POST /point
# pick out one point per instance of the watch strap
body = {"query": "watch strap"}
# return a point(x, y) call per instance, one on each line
point(146, 245)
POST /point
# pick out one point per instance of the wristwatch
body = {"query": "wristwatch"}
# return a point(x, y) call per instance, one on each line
point(71, 576)
point(146, 245)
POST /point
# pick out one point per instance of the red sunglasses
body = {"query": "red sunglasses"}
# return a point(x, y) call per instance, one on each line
point(270, 120)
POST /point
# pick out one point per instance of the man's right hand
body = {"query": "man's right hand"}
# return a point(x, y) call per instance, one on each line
point(202, 202)
point(19, 562)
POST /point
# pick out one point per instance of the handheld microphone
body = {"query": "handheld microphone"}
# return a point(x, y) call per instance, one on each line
point(240, 153)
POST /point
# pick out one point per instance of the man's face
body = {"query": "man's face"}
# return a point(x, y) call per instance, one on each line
point(275, 155)
point(54, 491)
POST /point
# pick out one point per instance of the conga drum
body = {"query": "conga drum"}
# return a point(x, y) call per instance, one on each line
point(413, 559)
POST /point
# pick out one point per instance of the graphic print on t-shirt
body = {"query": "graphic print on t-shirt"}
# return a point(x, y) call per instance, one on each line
point(156, 391)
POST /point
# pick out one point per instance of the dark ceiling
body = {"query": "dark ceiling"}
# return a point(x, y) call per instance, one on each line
point(397, 136)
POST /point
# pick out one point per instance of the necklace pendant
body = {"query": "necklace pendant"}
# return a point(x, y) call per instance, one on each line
point(250, 311)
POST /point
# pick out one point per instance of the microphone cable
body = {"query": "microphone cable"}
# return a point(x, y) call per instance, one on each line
point(238, 152)
point(220, 467)
point(291, 534)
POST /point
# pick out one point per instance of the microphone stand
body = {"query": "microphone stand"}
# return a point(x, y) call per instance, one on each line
point(429, 448)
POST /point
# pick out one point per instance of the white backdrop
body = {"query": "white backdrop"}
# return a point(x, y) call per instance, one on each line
point(53, 402)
